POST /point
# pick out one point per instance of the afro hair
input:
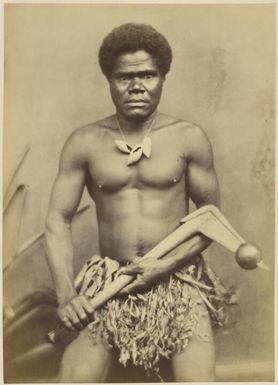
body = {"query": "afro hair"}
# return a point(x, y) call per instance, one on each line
point(131, 37)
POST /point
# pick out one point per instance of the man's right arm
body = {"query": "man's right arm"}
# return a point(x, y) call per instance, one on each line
point(66, 194)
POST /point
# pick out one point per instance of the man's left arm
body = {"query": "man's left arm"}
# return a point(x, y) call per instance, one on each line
point(203, 189)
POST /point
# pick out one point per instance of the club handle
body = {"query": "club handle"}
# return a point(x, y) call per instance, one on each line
point(60, 336)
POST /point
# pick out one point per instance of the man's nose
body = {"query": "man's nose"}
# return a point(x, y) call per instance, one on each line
point(136, 86)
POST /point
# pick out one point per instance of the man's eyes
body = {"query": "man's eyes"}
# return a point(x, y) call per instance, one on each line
point(131, 77)
point(148, 76)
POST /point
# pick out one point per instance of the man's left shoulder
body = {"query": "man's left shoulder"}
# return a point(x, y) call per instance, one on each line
point(194, 140)
point(185, 129)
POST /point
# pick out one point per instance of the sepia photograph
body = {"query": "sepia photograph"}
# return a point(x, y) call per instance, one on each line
point(138, 192)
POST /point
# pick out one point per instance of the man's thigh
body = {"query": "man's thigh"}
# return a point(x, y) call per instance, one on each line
point(197, 361)
point(84, 361)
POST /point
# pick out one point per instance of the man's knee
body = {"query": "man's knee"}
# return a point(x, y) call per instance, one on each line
point(83, 373)
point(84, 361)
point(194, 369)
point(196, 376)
point(196, 363)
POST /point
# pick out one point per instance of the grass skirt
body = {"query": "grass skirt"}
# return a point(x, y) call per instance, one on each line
point(157, 322)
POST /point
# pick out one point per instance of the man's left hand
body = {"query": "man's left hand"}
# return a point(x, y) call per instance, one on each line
point(147, 270)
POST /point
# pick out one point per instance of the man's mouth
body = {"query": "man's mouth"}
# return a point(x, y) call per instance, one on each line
point(137, 103)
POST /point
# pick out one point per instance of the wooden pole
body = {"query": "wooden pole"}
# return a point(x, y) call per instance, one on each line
point(33, 240)
point(15, 171)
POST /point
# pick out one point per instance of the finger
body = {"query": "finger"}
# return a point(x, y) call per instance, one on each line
point(63, 315)
point(132, 287)
point(73, 318)
point(79, 311)
point(66, 322)
point(131, 270)
point(89, 309)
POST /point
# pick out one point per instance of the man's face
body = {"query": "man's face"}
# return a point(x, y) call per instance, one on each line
point(136, 85)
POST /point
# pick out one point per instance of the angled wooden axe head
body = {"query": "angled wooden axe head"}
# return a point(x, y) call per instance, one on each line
point(215, 226)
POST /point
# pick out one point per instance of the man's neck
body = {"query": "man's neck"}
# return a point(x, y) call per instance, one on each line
point(135, 126)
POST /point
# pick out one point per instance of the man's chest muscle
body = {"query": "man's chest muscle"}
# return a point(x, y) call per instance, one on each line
point(110, 171)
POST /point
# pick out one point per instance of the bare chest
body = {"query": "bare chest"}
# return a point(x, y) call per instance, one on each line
point(108, 169)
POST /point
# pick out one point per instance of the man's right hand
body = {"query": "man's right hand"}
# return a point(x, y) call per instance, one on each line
point(76, 313)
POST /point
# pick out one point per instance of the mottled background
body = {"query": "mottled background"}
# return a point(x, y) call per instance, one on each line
point(222, 78)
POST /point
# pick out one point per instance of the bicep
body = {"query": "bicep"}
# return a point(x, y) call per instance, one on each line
point(202, 183)
point(68, 186)
point(66, 194)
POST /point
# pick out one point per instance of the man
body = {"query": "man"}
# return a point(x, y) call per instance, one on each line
point(140, 167)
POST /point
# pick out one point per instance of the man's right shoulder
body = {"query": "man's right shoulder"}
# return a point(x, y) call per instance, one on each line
point(83, 141)
point(91, 131)
point(89, 134)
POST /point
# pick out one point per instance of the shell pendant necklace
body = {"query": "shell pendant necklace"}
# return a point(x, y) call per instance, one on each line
point(136, 152)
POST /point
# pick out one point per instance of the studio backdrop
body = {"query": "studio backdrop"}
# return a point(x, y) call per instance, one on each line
point(222, 78)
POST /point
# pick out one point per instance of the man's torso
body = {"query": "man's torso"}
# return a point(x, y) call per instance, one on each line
point(137, 205)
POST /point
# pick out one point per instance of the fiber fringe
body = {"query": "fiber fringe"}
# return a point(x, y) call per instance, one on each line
point(159, 322)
